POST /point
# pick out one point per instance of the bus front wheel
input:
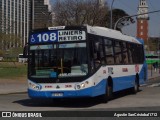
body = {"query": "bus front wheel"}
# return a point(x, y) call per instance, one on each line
point(108, 94)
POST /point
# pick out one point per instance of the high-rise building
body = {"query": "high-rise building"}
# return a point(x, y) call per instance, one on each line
point(14, 19)
point(142, 20)
point(40, 14)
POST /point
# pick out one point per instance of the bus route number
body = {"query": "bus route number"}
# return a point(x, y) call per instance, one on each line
point(47, 37)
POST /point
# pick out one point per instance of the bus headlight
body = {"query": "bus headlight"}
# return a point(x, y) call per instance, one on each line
point(34, 86)
point(82, 85)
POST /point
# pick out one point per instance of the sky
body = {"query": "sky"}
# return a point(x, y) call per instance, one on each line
point(131, 7)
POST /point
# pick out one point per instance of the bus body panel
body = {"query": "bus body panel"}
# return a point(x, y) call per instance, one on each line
point(97, 84)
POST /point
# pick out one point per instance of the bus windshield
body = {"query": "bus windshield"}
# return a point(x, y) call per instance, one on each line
point(58, 60)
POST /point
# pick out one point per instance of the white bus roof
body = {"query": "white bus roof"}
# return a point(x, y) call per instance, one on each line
point(102, 31)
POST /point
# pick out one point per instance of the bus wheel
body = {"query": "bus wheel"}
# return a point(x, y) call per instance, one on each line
point(135, 89)
point(108, 95)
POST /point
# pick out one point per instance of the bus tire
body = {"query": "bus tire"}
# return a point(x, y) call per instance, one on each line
point(108, 94)
point(135, 89)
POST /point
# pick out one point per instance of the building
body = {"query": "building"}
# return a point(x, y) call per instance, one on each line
point(142, 21)
point(40, 14)
point(15, 20)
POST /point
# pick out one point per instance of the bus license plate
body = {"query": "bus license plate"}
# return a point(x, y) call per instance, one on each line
point(57, 94)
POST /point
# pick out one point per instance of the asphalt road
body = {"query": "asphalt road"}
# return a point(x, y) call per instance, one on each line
point(147, 99)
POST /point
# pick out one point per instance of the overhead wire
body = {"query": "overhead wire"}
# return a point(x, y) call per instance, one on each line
point(132, 9)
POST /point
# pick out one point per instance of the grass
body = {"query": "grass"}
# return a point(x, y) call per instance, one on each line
point(11, 70)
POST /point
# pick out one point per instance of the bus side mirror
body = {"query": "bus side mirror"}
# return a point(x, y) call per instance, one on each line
point(25, 51)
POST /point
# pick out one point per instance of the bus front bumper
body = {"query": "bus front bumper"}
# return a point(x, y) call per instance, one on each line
point(60, 94)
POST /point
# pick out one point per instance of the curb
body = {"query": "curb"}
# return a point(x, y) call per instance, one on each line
point(148, 81)
point(10, 93)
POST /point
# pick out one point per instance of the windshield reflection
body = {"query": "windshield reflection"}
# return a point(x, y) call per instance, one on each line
point(63, 60)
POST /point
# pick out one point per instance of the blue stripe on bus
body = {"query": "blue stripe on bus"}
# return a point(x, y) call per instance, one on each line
point(88, 92)
point(119, 83)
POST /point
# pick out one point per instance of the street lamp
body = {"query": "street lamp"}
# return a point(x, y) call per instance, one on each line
point(115, 26)
point(111, 14)
point(159, 55)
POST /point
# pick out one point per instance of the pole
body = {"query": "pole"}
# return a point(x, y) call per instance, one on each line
point(159, 55)
point(115, 26)
point(32, 15)
point(111, 14)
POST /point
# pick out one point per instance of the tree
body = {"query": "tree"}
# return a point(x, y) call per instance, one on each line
point(9, 40)
point(79, 12)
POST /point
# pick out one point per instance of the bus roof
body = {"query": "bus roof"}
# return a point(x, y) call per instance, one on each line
point(106, 32)
point(96, 30)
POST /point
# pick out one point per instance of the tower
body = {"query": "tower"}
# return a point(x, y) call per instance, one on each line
point(142, 21)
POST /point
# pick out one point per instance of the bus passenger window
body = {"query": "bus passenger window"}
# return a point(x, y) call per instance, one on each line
point(109, 54)
point(125, 53)
point(118, 53)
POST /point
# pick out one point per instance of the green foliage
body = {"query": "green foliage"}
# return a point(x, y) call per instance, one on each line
point(9, 71)
point(1, 53)
point(153, 44)
point(9, 40)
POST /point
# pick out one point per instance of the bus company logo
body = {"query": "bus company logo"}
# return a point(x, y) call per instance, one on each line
point(6, 114)
point(136, 68)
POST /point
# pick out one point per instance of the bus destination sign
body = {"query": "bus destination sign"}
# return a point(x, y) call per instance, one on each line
point(57, 36)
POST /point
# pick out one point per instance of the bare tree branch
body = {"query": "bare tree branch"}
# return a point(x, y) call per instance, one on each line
point(79, 12)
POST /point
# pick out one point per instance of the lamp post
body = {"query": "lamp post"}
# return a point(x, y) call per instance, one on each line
point(111, 14)
point(32, 15)
point(159, 55)
point(115, 26)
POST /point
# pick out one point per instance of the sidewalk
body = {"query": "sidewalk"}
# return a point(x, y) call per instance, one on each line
point(153, 75)
point(20, 85)
point(13, 86)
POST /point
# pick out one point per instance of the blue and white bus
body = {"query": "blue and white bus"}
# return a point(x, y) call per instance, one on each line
point(83, 61)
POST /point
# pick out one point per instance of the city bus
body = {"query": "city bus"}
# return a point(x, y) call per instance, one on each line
point(151, 58)
point(83, 61)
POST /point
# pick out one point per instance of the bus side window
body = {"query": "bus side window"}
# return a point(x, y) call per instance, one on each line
point(125, 53)
point(109, 53)
point(118, 53)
